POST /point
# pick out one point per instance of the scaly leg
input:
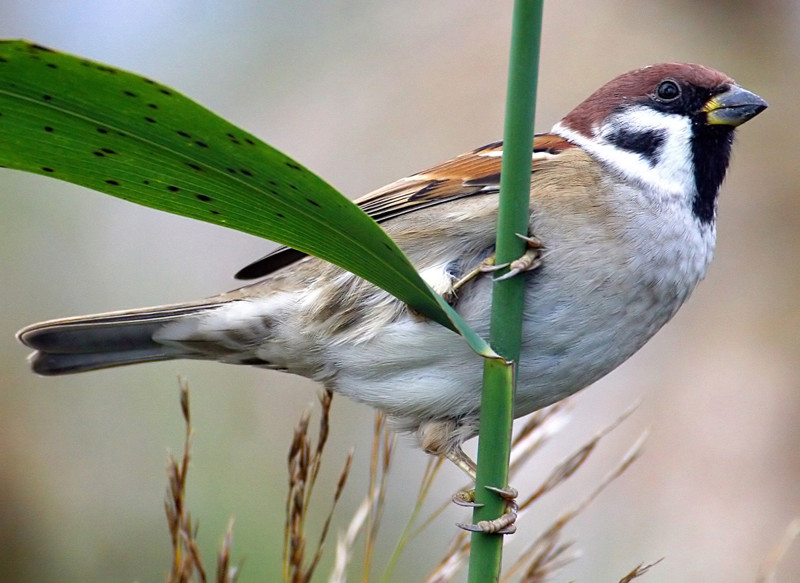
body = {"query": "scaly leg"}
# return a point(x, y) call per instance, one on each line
point(485, 266)
point(529, 261)
point(504, 524)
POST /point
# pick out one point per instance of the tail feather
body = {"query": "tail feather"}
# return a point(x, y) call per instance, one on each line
point(49, 364)
point(87, 343)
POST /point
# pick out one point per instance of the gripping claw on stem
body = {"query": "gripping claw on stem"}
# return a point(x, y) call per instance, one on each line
point(503, 524)
point(530, 260)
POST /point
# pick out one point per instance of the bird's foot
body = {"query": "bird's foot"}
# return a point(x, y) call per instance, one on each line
point(530, 260)
point(503, 524)
point(485, 266)
point(466, 498)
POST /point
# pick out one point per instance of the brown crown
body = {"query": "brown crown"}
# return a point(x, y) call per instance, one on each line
point(635, 85)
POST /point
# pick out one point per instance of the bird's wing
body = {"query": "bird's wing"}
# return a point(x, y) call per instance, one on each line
point(474, 173)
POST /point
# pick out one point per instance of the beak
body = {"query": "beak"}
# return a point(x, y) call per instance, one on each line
point(733, 107)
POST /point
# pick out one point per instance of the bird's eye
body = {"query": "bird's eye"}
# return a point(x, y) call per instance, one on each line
point(668, 90)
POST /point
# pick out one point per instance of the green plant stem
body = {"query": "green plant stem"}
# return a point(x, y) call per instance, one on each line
point(508, 295)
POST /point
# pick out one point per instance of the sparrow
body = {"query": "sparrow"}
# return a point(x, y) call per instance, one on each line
point(623, 210)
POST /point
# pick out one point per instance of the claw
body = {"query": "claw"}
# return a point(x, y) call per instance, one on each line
point(503, 524)
point(529, 261)
point(491, 267)
point(532, 241)
point(508, 493)
point(466, 498)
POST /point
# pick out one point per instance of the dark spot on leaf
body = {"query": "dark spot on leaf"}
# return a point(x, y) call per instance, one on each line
point(293, 187)
point(98, 153)
point(105, 69)
point(150, 119)
point(150, 81)
point(293, 166)
point(166, 92)
point(147, 182)
point(108, 150)
point(246, 172)
point(249, 141)
point(214, 212)
point(130, 93)
point(102, 130)
point(46, 128)
point(183, 134)
point(3, 60)
point(280, 215)
point(112, 182)
point(314, 202)
point(272, 183)
point(52, 65)
point(203, 197)
point(201, 144)
point(42, 48)
point(152, 106)
point(389, 247)
point(194, 166)
point(173, 188)
point(46, 169)
point(230, 135)
point(231, 170)
point(47, 97)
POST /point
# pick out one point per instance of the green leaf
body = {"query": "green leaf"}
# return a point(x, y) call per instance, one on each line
point(129, 136)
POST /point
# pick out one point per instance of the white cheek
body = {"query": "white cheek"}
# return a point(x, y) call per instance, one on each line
point(673, 170)
point(672, 175)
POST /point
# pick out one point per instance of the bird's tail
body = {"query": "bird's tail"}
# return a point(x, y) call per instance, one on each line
point(87, 343)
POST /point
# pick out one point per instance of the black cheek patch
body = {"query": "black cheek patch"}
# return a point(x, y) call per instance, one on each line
point(647, 143)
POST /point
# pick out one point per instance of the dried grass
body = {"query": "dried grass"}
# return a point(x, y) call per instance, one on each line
point(638, 571)
point(187, 565)
point(539, 561)
point(304, 461)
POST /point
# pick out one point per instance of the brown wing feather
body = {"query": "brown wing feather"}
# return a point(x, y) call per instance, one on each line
point(476, 172)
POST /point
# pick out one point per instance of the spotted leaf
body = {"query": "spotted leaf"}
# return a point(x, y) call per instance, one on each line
point(129, 136)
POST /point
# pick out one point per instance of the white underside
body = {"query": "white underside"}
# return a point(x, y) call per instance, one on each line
point(580, 323)
point(608, 282)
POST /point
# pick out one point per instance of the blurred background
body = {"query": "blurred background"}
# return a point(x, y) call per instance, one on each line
point(364, 93)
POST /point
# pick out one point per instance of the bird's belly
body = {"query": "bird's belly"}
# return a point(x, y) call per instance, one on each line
point(573, 337)
point(578, 327)
point(562, 357)
point(419, 369)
